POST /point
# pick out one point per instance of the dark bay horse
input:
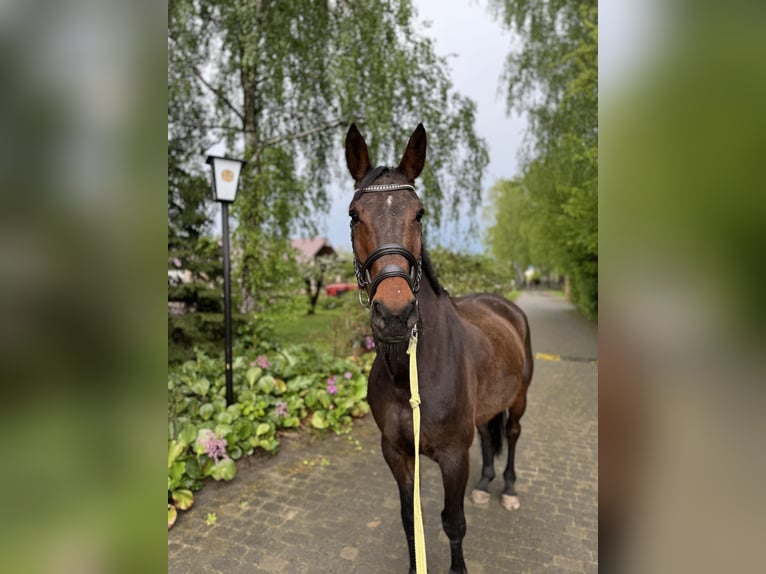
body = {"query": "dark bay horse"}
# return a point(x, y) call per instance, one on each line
point(474, 354)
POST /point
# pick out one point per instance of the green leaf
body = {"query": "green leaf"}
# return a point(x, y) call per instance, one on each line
point(226, 469)
point(172, 515)
point(265, 384)
point(299, 383)
point(324, 398)
point(207, 467)
point(291, 360)
point(200, 386)
point(187, 435)
point(289, 371)
point(263, 428)
point(360, 392)
point(193, 469)
point(234, 410)
point(219, 404)
point(318, 420)
point(224, 417)
point(175, 474)
point(243, 429)
point(246, 397)
point(174, 451)
point(206, 411)
point(360, 410)
point(183, 498)
point(290, 422)
point(252, 375)
point(238, 364)
point(269, 445)
point(311, 399)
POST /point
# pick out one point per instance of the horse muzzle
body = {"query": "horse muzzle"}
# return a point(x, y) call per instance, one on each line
point(393, 326)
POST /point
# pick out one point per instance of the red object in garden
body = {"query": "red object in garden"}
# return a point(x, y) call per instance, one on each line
point(336, 289)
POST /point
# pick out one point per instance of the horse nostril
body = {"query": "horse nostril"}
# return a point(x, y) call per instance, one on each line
point(377, 316)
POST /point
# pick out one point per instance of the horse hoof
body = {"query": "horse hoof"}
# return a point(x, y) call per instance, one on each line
point(510, 502)
point(479, 496)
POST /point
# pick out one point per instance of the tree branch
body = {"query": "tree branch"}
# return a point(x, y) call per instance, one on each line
point(300, 135)
point(218, 92)
point(232, 129)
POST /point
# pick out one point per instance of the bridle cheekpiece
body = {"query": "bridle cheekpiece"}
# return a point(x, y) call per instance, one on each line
point(362, 270)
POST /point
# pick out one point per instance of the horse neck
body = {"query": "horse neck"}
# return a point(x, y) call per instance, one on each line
point(432, 309)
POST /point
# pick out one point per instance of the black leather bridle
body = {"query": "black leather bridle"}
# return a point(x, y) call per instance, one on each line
point(362, 270)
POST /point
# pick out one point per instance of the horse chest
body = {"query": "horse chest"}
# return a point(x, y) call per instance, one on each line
point(439, 428)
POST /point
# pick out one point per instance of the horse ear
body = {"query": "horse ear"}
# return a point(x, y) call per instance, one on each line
point(414, 157)
point(357, 159)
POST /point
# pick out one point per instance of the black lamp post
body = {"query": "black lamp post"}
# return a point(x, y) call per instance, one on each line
point(225, 180)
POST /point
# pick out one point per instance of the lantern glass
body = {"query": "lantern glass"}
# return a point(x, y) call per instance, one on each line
point(225, 177)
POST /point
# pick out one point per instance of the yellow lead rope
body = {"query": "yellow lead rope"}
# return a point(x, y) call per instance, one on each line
point(420, 539)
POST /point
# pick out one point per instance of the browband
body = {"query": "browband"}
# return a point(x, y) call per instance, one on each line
point(385, 187)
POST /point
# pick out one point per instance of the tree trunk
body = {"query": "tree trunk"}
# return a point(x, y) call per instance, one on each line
point(248, 80)
point(313, 292)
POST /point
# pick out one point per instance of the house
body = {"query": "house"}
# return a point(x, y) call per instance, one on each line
point(310, 249)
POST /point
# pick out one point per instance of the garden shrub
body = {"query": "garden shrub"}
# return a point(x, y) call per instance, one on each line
point(291, 388)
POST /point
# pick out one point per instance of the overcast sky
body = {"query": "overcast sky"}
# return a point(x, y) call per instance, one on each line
point(465, 29)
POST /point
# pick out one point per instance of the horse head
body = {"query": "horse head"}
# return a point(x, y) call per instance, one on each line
point(386, 235)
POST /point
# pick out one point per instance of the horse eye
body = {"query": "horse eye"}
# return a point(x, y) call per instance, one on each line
point(419, 216)
point(354, 217)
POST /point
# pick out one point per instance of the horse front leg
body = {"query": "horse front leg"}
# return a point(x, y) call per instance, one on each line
point(402, 467)
point(454, 466)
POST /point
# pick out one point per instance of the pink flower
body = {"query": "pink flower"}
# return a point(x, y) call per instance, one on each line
point(280, 409)
point(331, 387)
point(369, 343)
point(347, 375)
point(215, 447)
point(261, 361)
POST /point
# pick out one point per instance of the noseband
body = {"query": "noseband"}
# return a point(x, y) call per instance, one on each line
point(362, 270)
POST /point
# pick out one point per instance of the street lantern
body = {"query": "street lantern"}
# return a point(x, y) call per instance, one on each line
point(225, 180)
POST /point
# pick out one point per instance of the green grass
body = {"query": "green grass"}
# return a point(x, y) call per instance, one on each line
point(328, 329)
point(302, 328)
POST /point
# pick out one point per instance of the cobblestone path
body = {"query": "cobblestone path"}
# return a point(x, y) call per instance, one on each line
point(330, 505)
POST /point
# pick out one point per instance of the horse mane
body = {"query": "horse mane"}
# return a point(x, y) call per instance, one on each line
point(430, 273)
